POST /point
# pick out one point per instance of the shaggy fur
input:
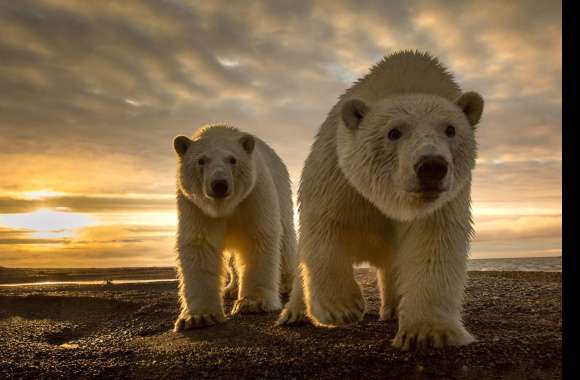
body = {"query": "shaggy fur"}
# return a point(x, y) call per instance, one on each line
point(252, 226)
point(360, 201)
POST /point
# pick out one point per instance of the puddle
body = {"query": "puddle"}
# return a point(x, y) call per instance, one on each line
point(104, 283)
point(69, 346)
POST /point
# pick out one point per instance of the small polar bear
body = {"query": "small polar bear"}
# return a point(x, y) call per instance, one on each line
point(234, 203)
point(388, 182)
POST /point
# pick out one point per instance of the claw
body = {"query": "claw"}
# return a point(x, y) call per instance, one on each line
point(249, 305)
point(431, 334)
point(194, 321)
point(291, 317)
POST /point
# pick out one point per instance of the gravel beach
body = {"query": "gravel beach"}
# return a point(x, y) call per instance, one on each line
point(124, 331)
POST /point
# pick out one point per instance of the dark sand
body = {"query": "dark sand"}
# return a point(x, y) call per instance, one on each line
point(124, 331)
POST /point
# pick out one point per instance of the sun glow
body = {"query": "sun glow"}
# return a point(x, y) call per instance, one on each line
point(47, 224)
point(40, 194)
point(153, 218)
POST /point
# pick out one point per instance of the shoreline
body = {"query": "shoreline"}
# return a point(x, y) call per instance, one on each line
point(15, 276)
point(138, 281)
point(104, 282)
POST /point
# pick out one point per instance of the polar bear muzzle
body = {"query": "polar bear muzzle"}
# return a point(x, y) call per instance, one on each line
point(431, 170)
point(219, 189)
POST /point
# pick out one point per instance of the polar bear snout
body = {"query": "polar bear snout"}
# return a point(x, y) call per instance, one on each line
point(431, 170)
point(218, 183)
point(219, 189)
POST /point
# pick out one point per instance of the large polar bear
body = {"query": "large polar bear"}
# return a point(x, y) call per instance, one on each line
point(234, 197)
point(388, 182)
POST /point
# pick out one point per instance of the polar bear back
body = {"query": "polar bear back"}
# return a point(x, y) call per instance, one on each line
point(405, 72)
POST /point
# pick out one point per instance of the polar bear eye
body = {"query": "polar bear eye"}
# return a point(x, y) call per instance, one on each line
point(450, 131)
point(201, 161)
point(232, 160)
point(394, 134)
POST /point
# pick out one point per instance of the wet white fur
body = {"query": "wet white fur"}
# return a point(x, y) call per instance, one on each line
point(355, 207)
point(254, 225)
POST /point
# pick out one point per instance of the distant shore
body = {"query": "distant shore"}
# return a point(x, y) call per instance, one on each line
point(124, 331)
point(31, 275)
point(102, 275)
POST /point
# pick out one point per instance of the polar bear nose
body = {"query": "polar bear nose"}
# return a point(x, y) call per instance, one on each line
point(431, 170)
point(219, 188)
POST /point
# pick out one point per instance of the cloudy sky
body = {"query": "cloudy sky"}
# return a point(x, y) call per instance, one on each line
point(92, 93)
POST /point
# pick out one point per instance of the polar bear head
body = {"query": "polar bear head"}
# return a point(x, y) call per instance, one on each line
point(408, 154)
point(216, 171)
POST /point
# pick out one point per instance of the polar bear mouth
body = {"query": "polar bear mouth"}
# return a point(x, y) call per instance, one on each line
point(428, 194)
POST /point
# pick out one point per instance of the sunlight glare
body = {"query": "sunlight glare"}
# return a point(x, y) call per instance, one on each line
point(45, 223)
point(40, 194)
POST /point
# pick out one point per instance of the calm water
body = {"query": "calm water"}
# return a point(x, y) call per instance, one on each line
point(533, 264)
point(127, 275)
point(89, 282)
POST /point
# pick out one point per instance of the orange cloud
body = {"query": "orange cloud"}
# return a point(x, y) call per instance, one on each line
point(95, 126)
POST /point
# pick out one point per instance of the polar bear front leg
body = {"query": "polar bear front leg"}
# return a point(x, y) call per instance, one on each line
point(289, 260)
point(259, 276)
point(231, 290)
point(432, 276)
point(200, 272)
point(387, 288)
point(295, 310)
point(333, 298)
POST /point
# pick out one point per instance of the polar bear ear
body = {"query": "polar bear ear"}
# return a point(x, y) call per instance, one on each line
point(248, 143)
point(181, 144)
point(353, 111)
point(471, 103)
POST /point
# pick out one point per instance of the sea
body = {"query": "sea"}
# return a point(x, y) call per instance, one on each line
point(109, 276)
point(527, 264)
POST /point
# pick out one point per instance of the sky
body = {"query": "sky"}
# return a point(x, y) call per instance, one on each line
point(92, 94)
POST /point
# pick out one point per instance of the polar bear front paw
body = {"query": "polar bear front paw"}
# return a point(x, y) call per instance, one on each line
point(254, 305)
point(431, 333)
point(292, 316)
point(338, 312)
point(194, 321)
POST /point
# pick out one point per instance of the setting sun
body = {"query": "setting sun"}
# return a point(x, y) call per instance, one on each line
point(46, 224)
point(40, 194)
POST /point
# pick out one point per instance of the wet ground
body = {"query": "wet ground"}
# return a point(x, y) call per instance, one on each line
point(124, 331)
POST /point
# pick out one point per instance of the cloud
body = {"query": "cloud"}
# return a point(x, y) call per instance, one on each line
point(93, 92)
point(120, 255)
point(532, 182)
point(90, 203)
point(121, 80)
point(91, 246)
point(510, 228)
